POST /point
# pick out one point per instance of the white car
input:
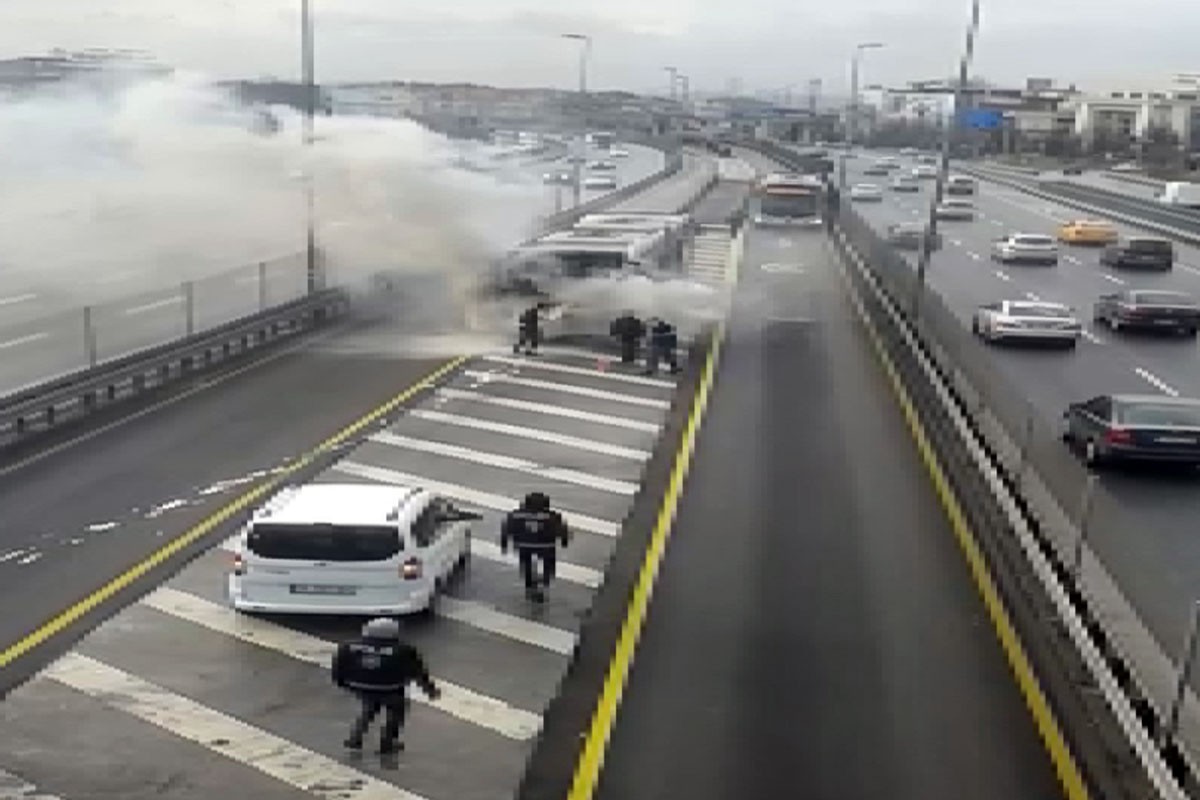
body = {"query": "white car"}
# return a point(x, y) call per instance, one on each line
point(866, 191)
point(924, 172)
point(349, 549)
point(598, 182)
point(1036, 248)
point(955, 210)
point(905, 183)
point(1023, 320)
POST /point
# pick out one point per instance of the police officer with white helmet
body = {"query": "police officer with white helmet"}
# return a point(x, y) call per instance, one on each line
point(378, 668)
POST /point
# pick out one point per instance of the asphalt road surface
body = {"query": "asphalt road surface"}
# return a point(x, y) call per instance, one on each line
point(814, 632)
point(1144, 521)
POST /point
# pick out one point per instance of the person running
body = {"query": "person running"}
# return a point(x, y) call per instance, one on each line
point(535, 530)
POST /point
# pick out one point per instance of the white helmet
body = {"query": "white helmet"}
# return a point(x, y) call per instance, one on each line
point(381, 628)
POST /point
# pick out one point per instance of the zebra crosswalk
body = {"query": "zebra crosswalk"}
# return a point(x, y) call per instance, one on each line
point(180, 697)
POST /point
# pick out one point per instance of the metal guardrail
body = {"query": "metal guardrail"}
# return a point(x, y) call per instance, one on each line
point(86, 391)
point(1141, 180)
point(568, 217)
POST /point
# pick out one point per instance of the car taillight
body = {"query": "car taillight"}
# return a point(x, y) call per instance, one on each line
point(239, 564)
point(410, 570)
point(1118, 436)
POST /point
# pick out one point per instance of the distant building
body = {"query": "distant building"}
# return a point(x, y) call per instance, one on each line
point(97, 67)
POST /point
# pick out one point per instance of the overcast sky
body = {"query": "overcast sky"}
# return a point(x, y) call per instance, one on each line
point(764, 43)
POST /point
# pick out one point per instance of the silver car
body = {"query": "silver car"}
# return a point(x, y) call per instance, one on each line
point(1031, 247)
point(1026, 320)
point(956, 210)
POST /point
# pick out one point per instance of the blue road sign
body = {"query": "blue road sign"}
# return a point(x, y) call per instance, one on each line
point(982, 118)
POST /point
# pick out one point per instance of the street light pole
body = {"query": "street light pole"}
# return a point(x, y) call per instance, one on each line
point(852, 116)
point(584, 52)
point(674, 73)
point(308, 78)
point(960, 91)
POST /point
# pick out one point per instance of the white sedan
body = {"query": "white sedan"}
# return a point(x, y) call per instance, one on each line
point(957, 210)
point(866, 191)
point(1025, 320)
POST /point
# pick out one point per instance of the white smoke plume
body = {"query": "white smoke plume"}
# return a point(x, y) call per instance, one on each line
point(171, 180)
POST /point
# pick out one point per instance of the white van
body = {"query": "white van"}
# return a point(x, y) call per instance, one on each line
point(960, 184)
point(349, 549)
point(1181, 193)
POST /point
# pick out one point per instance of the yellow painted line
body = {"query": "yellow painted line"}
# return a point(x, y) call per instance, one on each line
point(591, 760)
point(1035, 700)
point(73, 613)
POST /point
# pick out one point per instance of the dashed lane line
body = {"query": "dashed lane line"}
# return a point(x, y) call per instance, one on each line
point(1002, 275)
point(1156, 382)
point(566, 388)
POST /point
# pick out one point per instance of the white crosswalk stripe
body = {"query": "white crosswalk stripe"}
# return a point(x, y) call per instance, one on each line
point(457, 701)
point(281, 759)
point(214, 695)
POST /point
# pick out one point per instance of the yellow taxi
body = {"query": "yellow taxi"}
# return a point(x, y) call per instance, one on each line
point(1082, 231)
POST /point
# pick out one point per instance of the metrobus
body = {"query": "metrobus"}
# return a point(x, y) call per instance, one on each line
point(788, 199)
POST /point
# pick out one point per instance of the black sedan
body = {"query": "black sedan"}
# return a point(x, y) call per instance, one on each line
point(1138, 308)
point(1133, 427)
point(1140, 251)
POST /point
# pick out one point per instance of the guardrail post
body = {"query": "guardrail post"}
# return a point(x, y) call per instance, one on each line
point(1187, 658)
point(89, 337)
point(262, 285)
point(1085, 514)
point(189, 301)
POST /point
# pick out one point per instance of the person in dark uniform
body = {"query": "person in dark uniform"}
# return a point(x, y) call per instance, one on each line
point(535, 530)
point(663, 342)
point(528, 330)
point(378, 668)
point(629, 330)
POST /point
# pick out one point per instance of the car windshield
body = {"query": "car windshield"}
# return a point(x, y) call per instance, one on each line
point(1038, 310)
point(323, 542)
point(1160, 414)
point(1150, 246)
point(1162, 299)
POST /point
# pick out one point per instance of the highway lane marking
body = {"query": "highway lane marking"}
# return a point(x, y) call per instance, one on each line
point(998, 223)
point(956, 242)
point(596, 739)
point(1156, 382)
point(170, 301)
point(536, 434)
point(1004, 198)
point(550, 366)
point(1070, 259)
point(566, 388)
point(1033, 297)
point(510, 626)
point(1188, 268)
point(14, 787)
point(17, 298)
point(457, 701)
point(218, 733)
point(20, 340)
point(974, 256)
point(501, 461)
point(1003, 275)
point(563, 570)
point(1112, 278)
point(77, 610)
point(1049, 730)
point(1091, 337)
point(474, 497)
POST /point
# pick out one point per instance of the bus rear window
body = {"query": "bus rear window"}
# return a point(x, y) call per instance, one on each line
point(323, 542)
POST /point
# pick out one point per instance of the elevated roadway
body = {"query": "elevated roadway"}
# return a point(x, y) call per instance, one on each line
point(814, 632)
point(1143, 522)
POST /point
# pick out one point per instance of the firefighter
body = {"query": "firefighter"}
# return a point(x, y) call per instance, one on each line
point(535, 530)
point(629, 330)
point(528, 330)
point(378, 668)
point(663, 342)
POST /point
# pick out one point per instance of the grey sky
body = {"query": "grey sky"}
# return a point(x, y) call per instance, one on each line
point(765, 43)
